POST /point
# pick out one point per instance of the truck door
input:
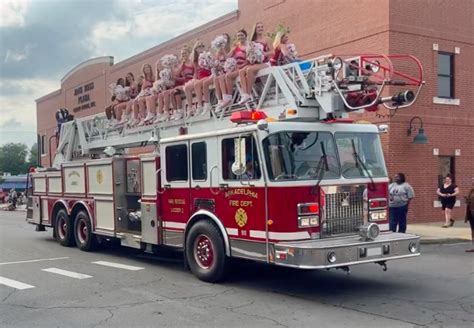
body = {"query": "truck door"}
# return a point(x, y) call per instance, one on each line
point(150, 207)
point(175, 179)
point(242, 197)
point(204, 174)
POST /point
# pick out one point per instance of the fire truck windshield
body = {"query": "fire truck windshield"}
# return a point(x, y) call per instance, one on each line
point(360, 155)
point(301, 155)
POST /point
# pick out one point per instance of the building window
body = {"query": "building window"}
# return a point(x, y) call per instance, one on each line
point(445, 75)
point(446, 166)
point(199, 161)
point(177, 163)
point(43, 143)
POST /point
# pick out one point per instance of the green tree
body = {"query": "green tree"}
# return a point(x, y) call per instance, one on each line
point(13, 158)
point(33, 158)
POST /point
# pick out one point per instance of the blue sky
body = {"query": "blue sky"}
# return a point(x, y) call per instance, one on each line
point(41, 40)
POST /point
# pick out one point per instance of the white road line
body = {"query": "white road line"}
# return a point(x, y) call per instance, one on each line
point(67, 273)
point(38, 260)
point(14, 283)
point(118, 265)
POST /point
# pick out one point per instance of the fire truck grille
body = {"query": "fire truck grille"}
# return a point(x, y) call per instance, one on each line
point(343, 213)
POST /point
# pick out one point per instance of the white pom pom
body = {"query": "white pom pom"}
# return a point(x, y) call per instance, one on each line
point(230, 65)
point(292, 53)
point(169, 61)
point(219, 42)
point(112, 88)
point(255, 54)
point(205, 60)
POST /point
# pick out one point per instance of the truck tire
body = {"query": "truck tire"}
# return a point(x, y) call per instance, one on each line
point(205, 252)
point(85, 239)
point(63, 229)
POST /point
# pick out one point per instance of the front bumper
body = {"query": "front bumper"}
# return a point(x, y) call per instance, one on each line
point(350, 250)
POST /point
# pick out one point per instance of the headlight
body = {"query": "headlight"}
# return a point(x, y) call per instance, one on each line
point(337, 63)
point(369, 231)
point(412, 247)
point(331, 257)
point(374, 66)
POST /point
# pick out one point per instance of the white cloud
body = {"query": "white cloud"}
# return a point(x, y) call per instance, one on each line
point(111, 30)
point(18, 55)
point(157, 23)
point(12, 12)
point(17, 100)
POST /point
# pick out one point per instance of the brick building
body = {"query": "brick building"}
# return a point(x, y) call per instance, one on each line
point(438, 32)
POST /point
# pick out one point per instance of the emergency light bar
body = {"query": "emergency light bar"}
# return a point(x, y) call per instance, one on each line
point(247, 116)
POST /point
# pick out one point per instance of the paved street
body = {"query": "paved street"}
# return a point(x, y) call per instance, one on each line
point(43, 284)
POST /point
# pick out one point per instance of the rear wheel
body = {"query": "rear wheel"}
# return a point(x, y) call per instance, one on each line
point(205, 252)
point(85, 239)
point(63, 230)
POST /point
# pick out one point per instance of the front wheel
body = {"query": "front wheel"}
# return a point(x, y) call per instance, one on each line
point(205, 252)
point(63, 230)
point(85, 239)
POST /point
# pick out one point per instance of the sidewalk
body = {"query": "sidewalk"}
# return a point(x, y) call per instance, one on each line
point(432, 233)
point(20, 208)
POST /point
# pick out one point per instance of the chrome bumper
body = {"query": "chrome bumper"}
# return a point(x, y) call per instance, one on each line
point(313, 254)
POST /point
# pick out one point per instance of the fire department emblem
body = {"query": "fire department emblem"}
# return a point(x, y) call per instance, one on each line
point(241, 217)
point(99, 176)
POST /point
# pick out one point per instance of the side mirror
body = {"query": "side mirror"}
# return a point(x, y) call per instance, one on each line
point(238, 167)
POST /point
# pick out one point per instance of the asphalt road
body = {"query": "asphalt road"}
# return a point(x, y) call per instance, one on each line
point(436, 289)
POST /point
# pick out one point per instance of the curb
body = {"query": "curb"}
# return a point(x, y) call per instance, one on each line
point(440, 241)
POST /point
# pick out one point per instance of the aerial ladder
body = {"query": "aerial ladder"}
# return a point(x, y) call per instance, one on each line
point(326, 88)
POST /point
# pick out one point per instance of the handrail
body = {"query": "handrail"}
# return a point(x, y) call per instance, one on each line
point(210, 181)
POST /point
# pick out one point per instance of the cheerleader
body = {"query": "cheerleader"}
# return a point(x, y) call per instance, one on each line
point(223, 51)
point(143, 98)
point(181, 74)
point(164, 86)
point(195, 84)
point(285, 52)
point(239, 54)
point(247, 75)
point(120, 96)
point(124, 109)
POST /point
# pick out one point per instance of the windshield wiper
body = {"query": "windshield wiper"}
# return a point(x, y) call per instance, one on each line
point(322, 167)
point(361, 166)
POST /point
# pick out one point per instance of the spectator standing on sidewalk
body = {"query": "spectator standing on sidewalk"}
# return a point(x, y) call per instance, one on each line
point(447, 193)
point(470, 213)
point(400, 195)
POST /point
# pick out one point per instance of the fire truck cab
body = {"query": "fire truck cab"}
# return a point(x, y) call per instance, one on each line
point(293, 184)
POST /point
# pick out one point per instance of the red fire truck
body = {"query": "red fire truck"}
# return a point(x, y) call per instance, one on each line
point(288, 179)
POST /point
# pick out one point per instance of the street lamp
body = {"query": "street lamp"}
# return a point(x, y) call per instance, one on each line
point(420, 138)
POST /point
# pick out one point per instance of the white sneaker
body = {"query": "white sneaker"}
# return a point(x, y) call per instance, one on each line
point(198, 111)
point(225, 102)
point(124, 120)
point(177, 115)
point(149, 117)
point(164, 117)
point(206, 109)
point(158, 117)
point(132, 122)
point(244, 99)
